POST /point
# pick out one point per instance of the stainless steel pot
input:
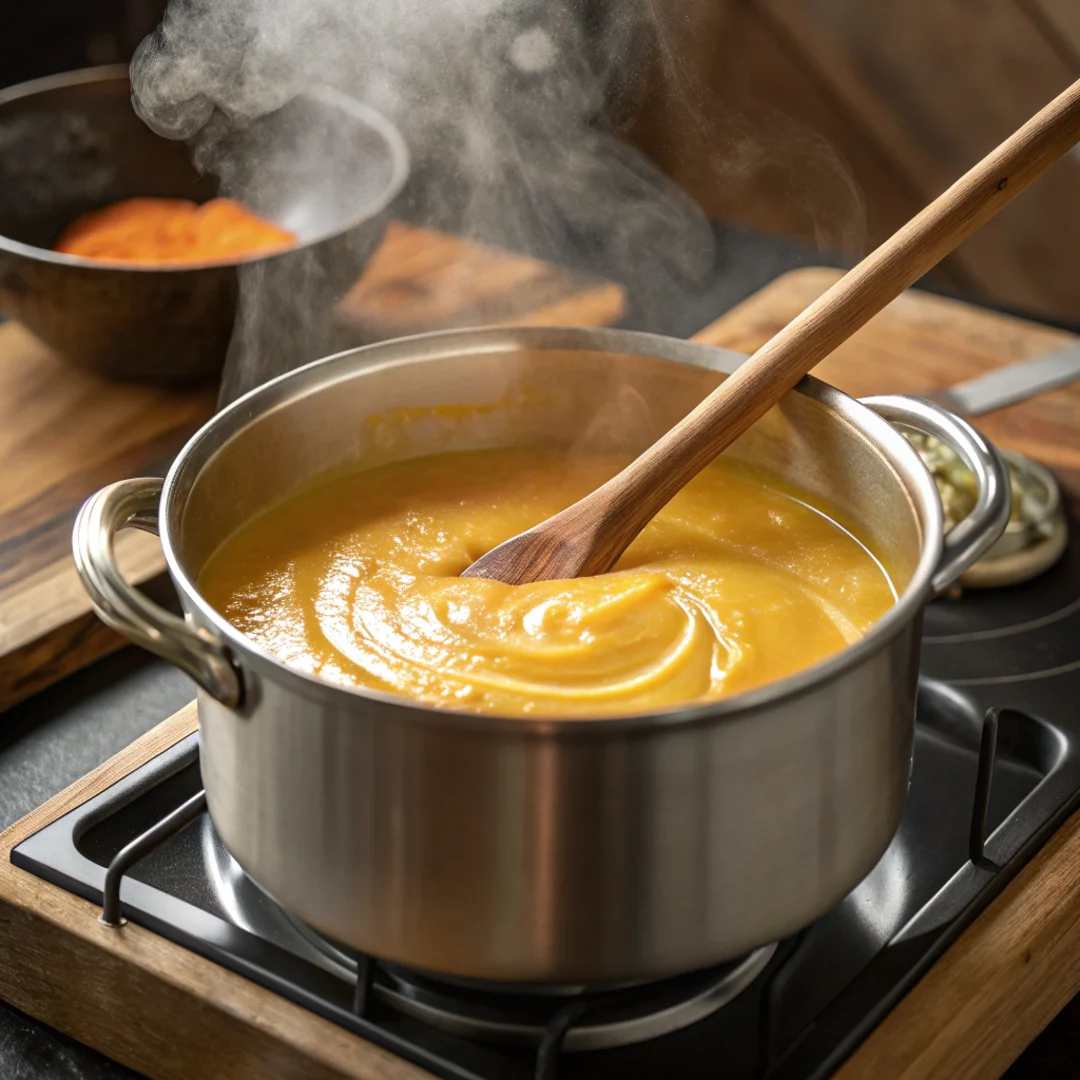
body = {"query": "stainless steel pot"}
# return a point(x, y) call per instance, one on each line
point(528, 850)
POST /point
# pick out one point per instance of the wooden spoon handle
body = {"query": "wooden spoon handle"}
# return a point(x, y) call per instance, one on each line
point(650, 481)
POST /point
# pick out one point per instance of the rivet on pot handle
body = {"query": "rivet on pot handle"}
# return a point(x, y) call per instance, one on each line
point(134, 504)
point(973, 537)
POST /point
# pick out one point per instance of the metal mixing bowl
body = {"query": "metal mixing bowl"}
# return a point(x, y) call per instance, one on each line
point(324, 166)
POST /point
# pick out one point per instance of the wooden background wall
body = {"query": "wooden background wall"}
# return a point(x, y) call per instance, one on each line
point(908, 93)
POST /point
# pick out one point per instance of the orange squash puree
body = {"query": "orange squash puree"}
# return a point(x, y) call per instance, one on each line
point(156, 231)
point(735, 583)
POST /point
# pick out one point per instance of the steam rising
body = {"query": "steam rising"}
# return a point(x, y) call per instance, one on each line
point(504, 104)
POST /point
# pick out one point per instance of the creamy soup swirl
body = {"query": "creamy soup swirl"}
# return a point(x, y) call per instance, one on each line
point(736, 583)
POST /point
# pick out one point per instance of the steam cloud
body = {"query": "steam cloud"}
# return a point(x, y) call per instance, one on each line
point(505, 106)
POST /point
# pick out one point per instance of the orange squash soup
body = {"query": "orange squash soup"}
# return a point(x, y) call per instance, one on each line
point(736, 583)
point(163, 231)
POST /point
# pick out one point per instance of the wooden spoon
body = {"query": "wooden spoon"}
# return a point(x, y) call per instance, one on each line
point(589, 536)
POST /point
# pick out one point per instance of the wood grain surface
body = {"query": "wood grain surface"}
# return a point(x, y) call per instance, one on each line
point(65, 433)
point(175, 1016)
point(774, 104)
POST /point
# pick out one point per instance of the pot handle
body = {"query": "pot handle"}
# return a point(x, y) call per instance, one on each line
point(134, 504)
point(973, 537)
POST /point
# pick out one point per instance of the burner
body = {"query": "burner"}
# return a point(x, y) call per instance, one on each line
point(519, 1015)
point(586, 1019)
point(600, 1018)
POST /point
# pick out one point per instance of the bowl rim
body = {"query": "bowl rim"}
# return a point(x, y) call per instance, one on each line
point(318, 375)
point(377, 121)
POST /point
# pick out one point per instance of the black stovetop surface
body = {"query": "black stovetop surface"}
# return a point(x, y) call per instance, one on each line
point(1014, 653)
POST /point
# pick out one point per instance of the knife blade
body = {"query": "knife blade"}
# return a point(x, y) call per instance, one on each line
point(1003, 386)
point(1012, 383)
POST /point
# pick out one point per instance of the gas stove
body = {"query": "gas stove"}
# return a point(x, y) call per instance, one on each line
point(996, 770)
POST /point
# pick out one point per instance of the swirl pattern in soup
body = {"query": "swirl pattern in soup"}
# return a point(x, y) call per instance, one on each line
point(736, 583)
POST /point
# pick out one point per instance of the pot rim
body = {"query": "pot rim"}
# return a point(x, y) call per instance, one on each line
point(901, 457)
point(382, 125)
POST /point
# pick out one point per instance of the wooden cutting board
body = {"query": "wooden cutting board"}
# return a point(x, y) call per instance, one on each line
point(922, 342)
point(65, 433)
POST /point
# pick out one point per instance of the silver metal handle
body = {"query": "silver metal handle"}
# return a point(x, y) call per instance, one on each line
point(973, 537)
point(134, 504)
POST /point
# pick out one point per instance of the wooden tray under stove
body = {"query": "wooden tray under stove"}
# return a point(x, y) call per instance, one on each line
point(173, 1015)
